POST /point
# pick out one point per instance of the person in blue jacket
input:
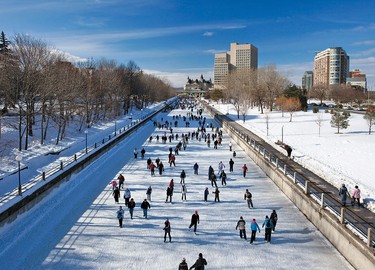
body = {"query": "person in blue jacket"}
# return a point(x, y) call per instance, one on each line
point(254, 227)
point(268, 228)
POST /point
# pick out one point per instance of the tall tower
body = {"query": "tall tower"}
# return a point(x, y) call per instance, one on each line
point(331, 66)
point(240, 56)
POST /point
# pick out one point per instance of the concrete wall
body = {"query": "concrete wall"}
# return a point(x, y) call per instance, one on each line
point(348, 244)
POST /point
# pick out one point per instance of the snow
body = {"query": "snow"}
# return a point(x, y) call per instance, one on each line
point(345, 158)
point(75, 226)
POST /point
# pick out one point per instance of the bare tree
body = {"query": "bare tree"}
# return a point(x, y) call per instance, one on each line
point(319, 121)
point(319, 91)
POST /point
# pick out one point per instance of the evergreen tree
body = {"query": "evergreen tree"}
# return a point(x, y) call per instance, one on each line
point(295, 91)
point(340, 120)
point(4, 43)
point(370, 118)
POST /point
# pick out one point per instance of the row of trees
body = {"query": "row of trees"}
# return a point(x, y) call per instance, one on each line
point(44, 86)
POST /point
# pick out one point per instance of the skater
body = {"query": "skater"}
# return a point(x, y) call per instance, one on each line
point(172, 161)
point(206, 192)
point(343, 193)
point(161, 168)
point(152, 169)
point(183, 192)
point(131, 206)
point(145, 206)
point(171, 184)
point(248, 197)
point(199, 263)
point(182, 177)
point(194, 221)
point(169, 194)
point(268, 224)
point(116, 194)
point(220, 167)
point(148, 163)
point(143, 152)
point(230, 146)
point(157, 160)
point(244, 170)
point(213, 180)
point(254, 227)
point(217, 192)
point(196, 167)
point(127, 196)
point(121, 180)
point(148, 193)
point(241, 224)
point(210, 172)
point(231, 163)
point(120, 216)
point(183, 265)
point(273, 218)
point(113, 183)
point(356, 196)
point(234, 154)
point(167, 230)
point(135, 152)
point(223, 177)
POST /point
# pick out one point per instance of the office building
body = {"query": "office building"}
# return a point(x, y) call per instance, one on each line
point(240, 56)
point(307, 80)
point(331, 66)
point(356, 78)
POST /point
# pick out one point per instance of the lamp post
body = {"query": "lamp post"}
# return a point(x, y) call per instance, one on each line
point(141, 113)
point(115, 128)
point(86, 131)
point(18, 159)
point(282, 133)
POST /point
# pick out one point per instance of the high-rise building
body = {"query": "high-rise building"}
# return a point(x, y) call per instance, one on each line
point(240, 56)
point(331, 66)
point(307, 80)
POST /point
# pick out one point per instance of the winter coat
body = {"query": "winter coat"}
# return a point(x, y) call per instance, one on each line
point(183, 266)
point(343, 192)
point(241, 224)
point(248, 195)
point(149, 191)
point(244, 168)
point(183, 175)
point(196, 166)
point(127, 194)
point(270, 226)
point(254, 226)
point(221, 166)
point(169, 191)
point(131, 204)
point(199, 264)
point(167, 226)
point(356, 193)
point(183, 189)
point(145, 205)
point(195, 219)
point(120, 213)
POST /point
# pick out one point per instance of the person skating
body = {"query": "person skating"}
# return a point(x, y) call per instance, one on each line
point(213, 180)
point(182, 177)
point(268, 229)
point(113, 183)
point(248, 197)
point(254, 227)
point(145, 206)
point(172, 161)
point(196, 167)
point(169, 194)
point(244, 170)
point(127, 196)
point(116, 194)
point(161, 167)
point(120, 216)
point(223, 177)
point(167, 231)
point(230, 146)
point(183, 192)
point(148, 193)
point(241, 224)
point(152, 168)
point(220, 167)
point(273, 218)
point(183, 265)
point(148, 163)
point(199, 263)
point(131, 206)
point(344, 194)
point(210, 172)
point(135, 152)
point(143, 152)
point(231, 163)
point(216, 192)
point(206, 192)
point(121, 180)
point(194, 221)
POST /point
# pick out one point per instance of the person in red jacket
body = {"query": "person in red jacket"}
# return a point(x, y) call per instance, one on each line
point(244, 170)
point(152, 168)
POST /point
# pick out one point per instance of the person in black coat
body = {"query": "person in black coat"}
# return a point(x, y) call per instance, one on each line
point(116, 194)
point(199, 263)
point(167, 230)
point(194, 221)
point(131, 206)
point(183, 265)
point(145, 206)
point(231, 163)
point(169, 194)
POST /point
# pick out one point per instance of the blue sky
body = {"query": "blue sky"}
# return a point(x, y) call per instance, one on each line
point(178, 38)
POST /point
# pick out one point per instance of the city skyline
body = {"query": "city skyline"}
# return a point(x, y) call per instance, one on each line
point(177, 39)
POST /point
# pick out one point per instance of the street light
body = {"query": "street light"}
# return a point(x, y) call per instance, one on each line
point(18, 159)
point(115, 128)
point(86, 131)
point(282, 134)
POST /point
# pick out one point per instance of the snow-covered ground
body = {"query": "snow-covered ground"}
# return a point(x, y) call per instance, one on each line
point(75, 226)
point(347, 157)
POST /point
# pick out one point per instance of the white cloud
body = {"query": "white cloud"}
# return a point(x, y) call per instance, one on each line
point(208, 34)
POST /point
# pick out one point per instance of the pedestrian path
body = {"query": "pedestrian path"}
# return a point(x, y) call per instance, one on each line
point(94, 240)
